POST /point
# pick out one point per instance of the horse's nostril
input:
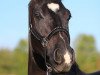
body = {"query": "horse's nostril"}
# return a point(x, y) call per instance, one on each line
point(58, 56)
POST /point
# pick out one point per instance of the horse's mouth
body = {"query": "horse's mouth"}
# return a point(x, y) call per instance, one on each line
point(62, 69)
point(59, 68)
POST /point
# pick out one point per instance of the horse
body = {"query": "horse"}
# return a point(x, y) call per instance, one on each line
point(50, 52)
point(49, 39)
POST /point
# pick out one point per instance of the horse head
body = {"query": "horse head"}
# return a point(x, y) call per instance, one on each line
point(50, 39)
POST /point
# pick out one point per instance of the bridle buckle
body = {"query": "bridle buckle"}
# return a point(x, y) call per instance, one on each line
point(49, 69)
point(44, 42)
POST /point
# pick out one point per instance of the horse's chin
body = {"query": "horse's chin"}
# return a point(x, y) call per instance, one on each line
point(62, 68)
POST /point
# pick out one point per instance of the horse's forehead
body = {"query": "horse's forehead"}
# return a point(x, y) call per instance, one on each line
point(53, 6)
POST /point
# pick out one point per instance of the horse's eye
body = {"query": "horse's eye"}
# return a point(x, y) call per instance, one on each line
point(38, 15)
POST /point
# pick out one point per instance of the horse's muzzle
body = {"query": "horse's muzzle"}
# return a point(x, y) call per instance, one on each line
point(63, 61)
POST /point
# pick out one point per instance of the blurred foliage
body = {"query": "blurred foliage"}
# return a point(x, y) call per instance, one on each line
point(21, 58)
point(15, 62)
point(87, 55)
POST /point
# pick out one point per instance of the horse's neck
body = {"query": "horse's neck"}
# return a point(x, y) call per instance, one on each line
point(33, 68)
point(75, 70)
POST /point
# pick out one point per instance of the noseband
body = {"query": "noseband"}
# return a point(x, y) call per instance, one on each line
point(44, 40)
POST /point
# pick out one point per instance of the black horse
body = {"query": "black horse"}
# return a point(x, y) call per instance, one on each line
point(49, 40)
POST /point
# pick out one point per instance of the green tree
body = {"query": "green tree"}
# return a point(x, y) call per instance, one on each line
point(86, 53)
point(14, 62)
point(6, 61)
point(21, 57)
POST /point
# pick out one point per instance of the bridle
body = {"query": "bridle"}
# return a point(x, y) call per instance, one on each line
point(44, 40)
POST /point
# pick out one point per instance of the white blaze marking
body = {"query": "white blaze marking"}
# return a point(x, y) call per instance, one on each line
point(53, 6)
point(67, 58)
point(61, 37)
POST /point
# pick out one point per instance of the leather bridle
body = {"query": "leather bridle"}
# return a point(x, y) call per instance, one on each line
point(44, 40)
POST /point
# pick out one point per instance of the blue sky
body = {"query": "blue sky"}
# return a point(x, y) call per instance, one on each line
point(14, 20)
